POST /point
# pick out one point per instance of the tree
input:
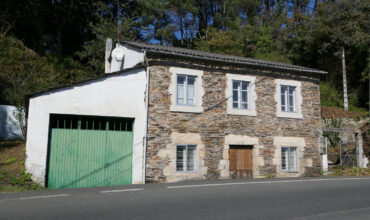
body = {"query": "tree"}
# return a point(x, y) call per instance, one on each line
point(104, 25)
point(316, 42)
point(24, 73)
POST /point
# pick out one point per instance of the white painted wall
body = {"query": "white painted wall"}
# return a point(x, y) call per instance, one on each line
point(325, 162)
point(121, 95)
point(131, 57)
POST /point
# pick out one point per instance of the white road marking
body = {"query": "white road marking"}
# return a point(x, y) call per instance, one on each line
point(264, 182)
point(44, 197)
point(121, 190)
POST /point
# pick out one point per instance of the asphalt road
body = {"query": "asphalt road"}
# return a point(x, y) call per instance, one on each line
point(318, 198)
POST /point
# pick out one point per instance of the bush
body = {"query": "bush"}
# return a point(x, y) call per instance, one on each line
point(329, 96)
point(11, 160)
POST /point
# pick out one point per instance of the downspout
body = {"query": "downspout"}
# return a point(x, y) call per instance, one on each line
point(146, 114)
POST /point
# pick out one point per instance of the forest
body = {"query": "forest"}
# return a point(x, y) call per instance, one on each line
point(48, 43)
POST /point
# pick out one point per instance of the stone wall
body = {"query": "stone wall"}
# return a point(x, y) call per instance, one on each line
point(215, 126)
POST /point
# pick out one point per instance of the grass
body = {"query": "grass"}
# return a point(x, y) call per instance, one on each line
point(13, 177)
point(351, 171)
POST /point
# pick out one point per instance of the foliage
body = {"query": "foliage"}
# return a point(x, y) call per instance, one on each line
point(69, 36)
point(12, 173)
point(314, 41)
point(228, 42)
point(23, 72)
point(320, 171)
point(103, 24)
point(248, 41)
point(333, 137)
point(352, 171)
point(19, 182)
point(329, 95)
point(268, 176)
point(11, 160)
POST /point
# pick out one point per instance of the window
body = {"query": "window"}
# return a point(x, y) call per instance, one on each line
point(186, 157)
point(185, 90)
point(289, 159)
point(288, 98)
point(240, 94)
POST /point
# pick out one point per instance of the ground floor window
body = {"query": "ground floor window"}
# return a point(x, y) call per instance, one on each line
point(186, 157)
point(289, 159)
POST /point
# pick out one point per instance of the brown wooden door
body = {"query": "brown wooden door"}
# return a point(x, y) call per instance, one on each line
point(241, 162)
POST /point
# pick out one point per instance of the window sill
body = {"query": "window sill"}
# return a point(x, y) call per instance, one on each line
point(297, 115)
point(289, 171)
point(186, 172)
point(186, 108)
point(241, 112)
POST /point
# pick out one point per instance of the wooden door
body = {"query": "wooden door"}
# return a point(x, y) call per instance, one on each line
point(241, 162)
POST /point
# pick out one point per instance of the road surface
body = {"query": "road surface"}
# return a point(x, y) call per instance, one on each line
point(315, 198)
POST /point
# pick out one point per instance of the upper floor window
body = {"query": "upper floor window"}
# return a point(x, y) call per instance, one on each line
point(240, 94)
point(288, 98)
point(185, 90)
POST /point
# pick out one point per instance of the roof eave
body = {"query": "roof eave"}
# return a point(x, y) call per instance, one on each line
point(234, 62)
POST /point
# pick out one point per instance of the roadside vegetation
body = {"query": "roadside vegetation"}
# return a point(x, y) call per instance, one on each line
point(352, 171)
point(13, 177)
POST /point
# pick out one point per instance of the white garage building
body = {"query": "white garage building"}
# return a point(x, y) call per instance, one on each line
point(73, 132)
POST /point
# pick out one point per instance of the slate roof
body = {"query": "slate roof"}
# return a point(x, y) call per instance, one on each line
point(196, 54)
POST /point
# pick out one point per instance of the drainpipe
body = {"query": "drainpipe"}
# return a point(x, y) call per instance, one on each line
point(146, 113)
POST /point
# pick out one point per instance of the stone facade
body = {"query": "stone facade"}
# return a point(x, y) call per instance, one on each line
point(215, 129)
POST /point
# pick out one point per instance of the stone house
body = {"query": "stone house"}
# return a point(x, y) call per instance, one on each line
point(187, 115)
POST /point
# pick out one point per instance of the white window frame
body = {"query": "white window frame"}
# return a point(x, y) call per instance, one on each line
point(287, 168)
point(185, 158)
point(251, 95)
point(287, 98)
point(198, 90)
point(240, 91)
point(186, 88)
point(297, 113)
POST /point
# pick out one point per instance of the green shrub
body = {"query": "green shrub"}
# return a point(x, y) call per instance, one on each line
point(329, 96)
point(320, 171)
point(11, 160)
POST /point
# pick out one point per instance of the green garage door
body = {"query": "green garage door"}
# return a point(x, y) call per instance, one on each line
point(89, 151)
